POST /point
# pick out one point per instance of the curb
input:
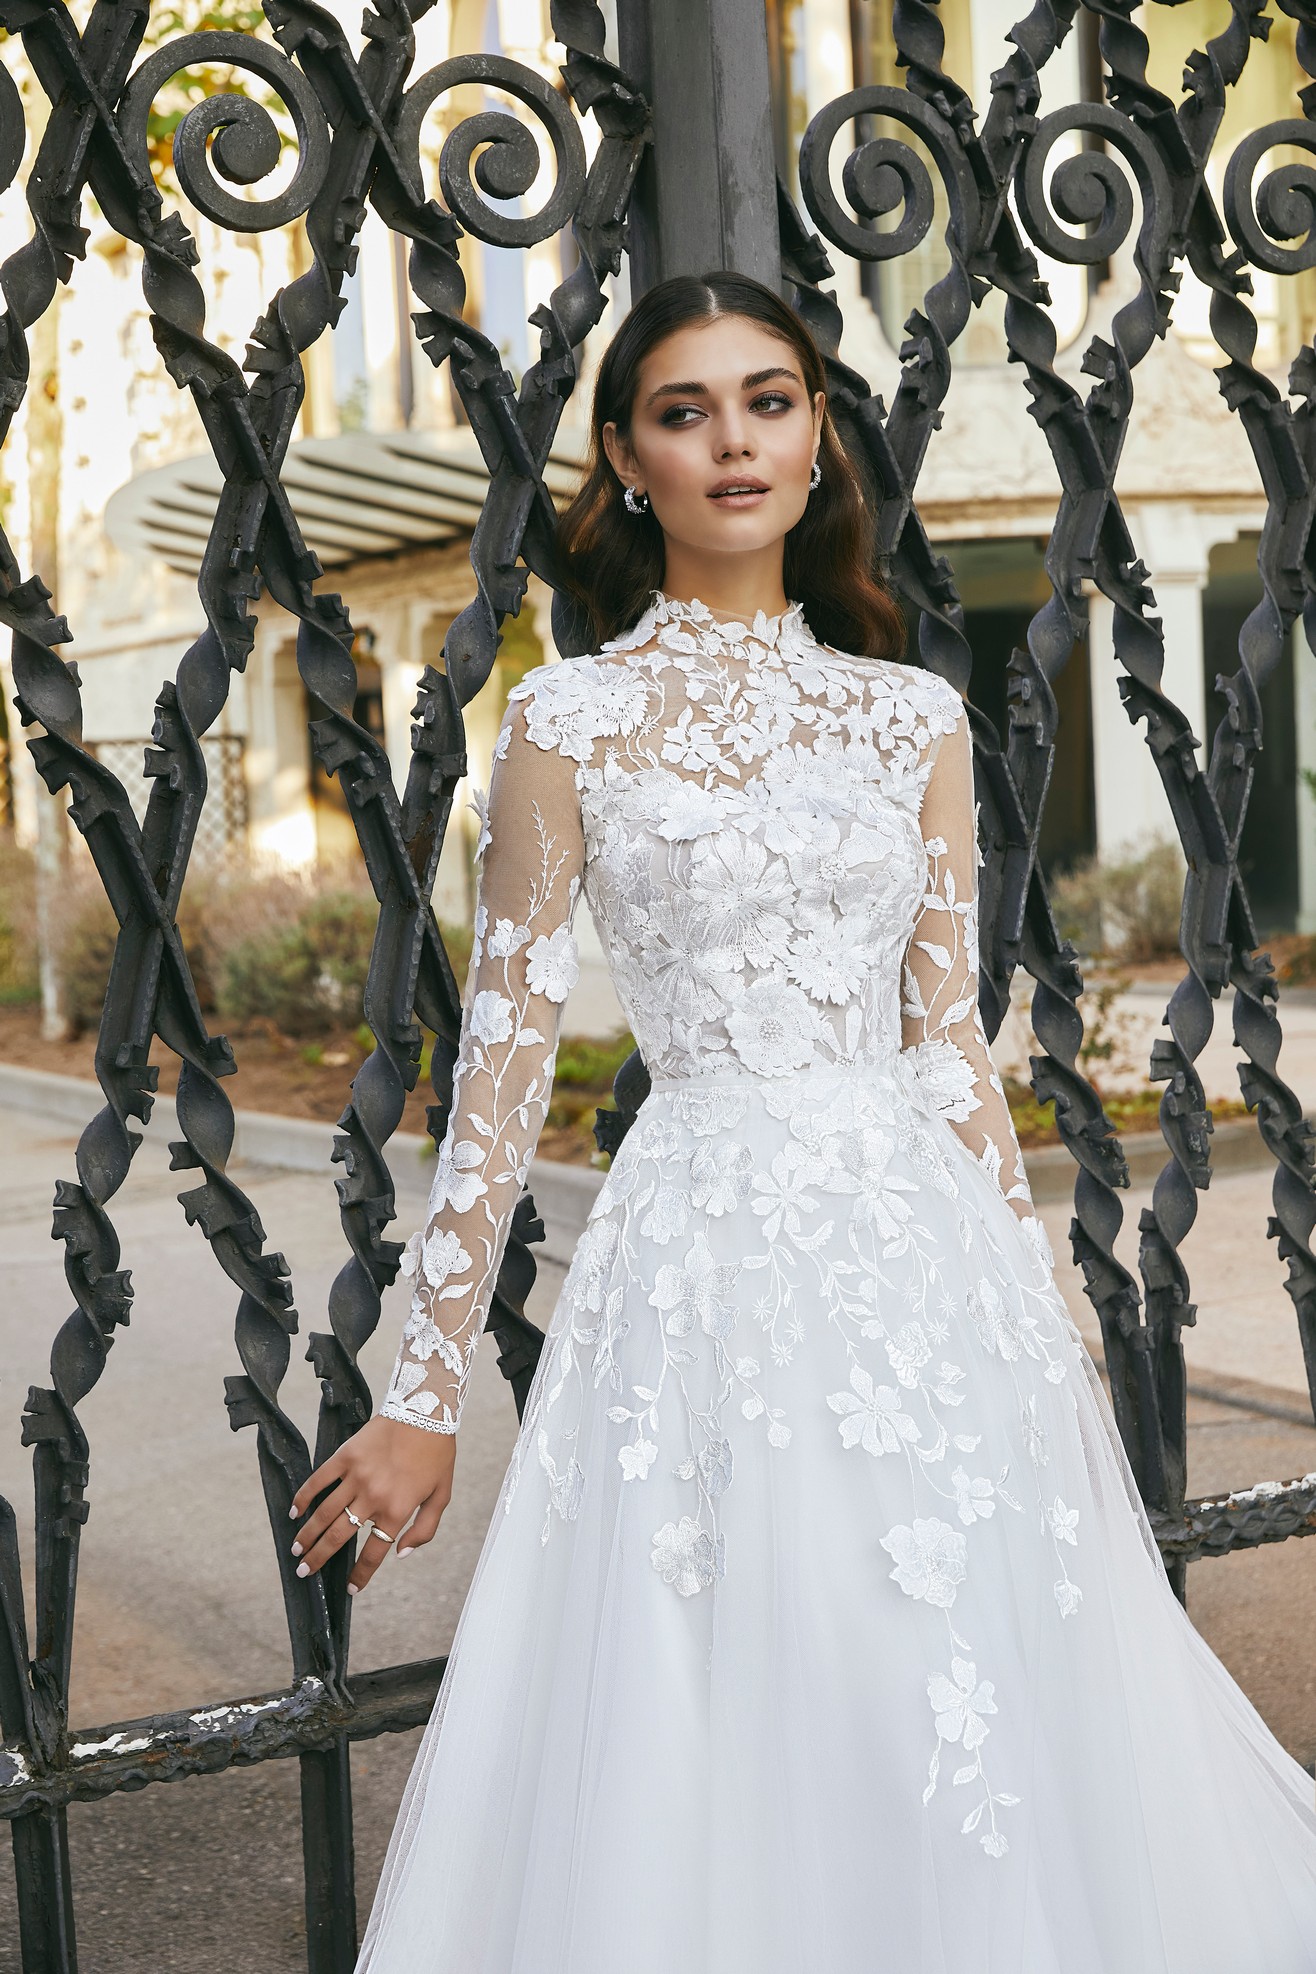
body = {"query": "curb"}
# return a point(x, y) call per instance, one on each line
point(1236, 1146)
point(563, 1194)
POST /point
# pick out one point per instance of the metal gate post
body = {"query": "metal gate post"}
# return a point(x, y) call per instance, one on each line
point(706, 194)
point(45, 1892)
point(329, 1858)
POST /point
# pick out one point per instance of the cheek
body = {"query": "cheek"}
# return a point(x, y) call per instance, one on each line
point(675, 474)
point(790, 447)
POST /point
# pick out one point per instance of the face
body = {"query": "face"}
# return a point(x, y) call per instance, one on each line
point(721, 405)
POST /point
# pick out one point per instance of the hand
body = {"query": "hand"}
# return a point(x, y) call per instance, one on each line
point(385, 1472)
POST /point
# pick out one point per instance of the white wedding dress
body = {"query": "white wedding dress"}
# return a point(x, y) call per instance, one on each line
point(819, 1625)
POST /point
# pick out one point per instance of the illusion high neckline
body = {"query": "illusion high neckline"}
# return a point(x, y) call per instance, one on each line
point(727, 626)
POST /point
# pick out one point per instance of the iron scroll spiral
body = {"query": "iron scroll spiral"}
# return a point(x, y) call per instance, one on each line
point(232, 132)
point(1285, 203)
point(509, 165)
point(1089, 188)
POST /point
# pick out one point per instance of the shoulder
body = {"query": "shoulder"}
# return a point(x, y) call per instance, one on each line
point(926, 692)
point(910, 691)
point(565, 706)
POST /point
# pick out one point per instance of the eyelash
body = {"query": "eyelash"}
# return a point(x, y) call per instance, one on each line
point(781, 397)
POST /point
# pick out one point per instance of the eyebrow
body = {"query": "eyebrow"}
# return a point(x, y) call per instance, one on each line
point(747, 383)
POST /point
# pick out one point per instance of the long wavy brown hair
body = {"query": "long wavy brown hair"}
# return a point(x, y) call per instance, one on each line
point(611, 560)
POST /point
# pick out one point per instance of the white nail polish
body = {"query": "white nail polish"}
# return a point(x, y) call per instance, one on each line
point(292, 1514)
point(352, 1589)
point(303, 1569)
point(296, 1548)
point(405, 1552)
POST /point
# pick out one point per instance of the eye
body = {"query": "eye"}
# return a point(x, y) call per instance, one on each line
point(773, 398)
point(673, 412)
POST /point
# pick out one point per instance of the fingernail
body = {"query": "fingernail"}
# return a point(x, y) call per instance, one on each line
point(352, 1589)
point(292, 1514)
point(303, 1569)
point(296, 1548)
point(404, 1552)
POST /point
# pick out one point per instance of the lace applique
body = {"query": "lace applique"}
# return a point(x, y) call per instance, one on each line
point(523, 965)
point(777, 843)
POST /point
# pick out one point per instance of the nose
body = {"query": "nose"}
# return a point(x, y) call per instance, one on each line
point(734, 435)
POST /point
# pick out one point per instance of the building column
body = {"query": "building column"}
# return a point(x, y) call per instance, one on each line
point(281, 819)
point(1132, 811)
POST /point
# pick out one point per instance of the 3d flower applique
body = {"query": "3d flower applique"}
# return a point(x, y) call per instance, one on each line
point(773, 1028)
point(872, 1415)
point(931, 1560)
point(947, 1077)
point(1068, 1597)
point(1063, 1522)
point(457, 1182)
point(974, 1498)
point(697, 1290)
point(688, 1556)
point(553, 964)
point(491, 1017)
point(907, 1352)
point(636, 1458)
point(960, 1703)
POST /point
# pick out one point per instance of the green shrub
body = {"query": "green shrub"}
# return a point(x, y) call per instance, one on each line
point(1127, 911)
point(306, 975)
point(270, 977)
point(85, 932)
point(283, 952)
point(590, 1064)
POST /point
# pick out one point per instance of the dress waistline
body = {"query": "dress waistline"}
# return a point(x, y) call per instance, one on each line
point(811, 1073)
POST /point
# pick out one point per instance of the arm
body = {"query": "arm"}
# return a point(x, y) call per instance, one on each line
point(941, 1025)
point(531, 856)
point(523, 964)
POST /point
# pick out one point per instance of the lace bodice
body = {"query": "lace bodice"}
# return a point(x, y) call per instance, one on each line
point(777, 843)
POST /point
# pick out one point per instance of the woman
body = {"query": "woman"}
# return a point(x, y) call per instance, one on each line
point(819, 1624)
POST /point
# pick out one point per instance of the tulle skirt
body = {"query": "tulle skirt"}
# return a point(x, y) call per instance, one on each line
point(819, 1624)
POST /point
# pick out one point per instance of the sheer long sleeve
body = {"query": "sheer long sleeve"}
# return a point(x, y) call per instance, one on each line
point(523, 964)
point(941, 1024)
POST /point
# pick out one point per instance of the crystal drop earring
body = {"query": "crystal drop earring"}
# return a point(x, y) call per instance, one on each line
point(815, 475)
point(635, 506)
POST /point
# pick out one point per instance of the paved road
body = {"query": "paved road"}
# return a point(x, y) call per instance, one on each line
point(179, 1603)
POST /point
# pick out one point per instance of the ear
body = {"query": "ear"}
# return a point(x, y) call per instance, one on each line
point(620, 457)
point(819, 408)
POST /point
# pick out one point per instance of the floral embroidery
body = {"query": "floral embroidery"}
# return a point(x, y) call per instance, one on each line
point(687, 1556)
point(776, 844)
point(930, 1560)
point(959, 1704)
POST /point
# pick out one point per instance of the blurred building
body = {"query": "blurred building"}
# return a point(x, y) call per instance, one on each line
point(110, 486)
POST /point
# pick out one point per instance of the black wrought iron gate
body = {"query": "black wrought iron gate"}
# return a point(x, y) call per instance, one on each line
point(682, 178)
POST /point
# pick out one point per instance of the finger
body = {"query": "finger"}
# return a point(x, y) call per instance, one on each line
point(327, 1519)
point(426, 1524)
point(373, 1551)
point(315, 1525)
point(315, 1484)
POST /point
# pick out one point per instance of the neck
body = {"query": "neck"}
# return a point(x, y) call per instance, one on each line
point(730, 586)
